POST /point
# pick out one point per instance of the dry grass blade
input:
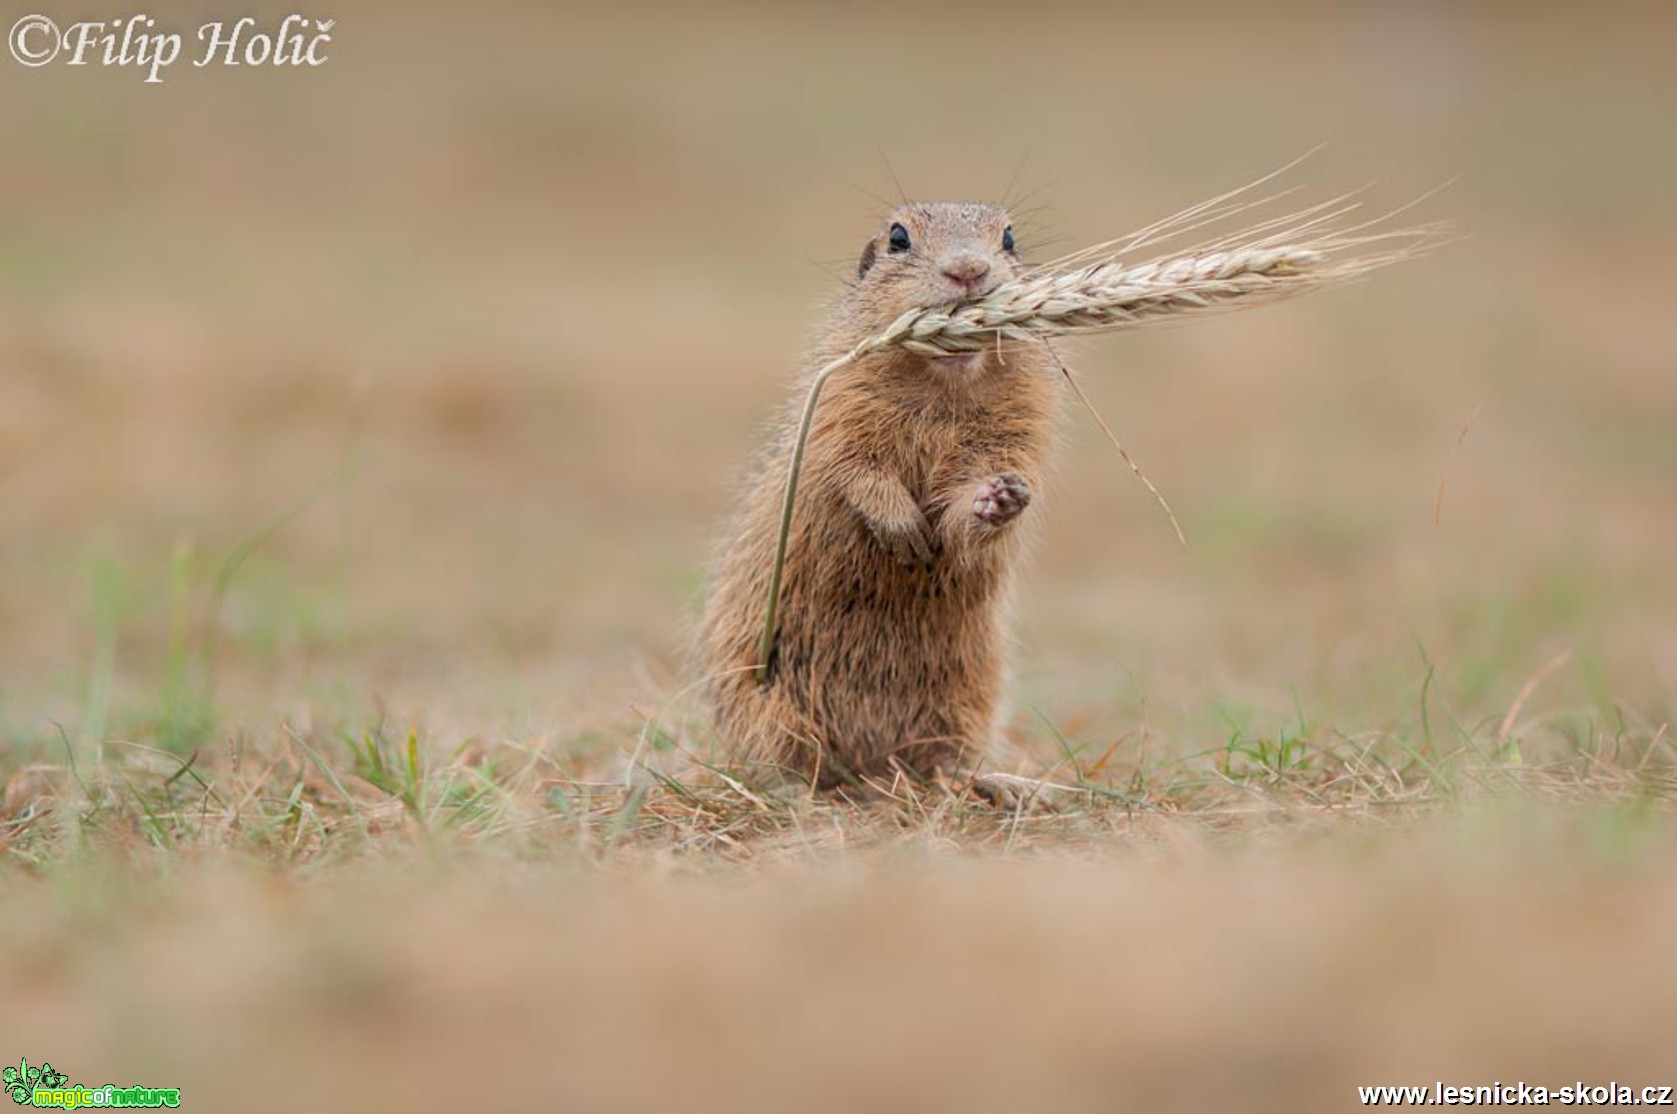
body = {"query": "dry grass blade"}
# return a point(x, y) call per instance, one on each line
point(1526, 690)
point(1444, 479)
point(1158, 496)
point(1264, 262)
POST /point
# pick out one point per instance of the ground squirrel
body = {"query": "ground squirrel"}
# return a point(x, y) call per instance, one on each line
point(890, 653)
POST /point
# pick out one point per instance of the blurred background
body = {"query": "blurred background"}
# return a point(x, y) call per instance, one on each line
point(485, 316)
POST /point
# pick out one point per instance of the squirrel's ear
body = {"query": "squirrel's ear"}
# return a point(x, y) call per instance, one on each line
point(869, 254)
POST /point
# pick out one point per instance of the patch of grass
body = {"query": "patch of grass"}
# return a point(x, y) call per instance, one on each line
point(332, 793)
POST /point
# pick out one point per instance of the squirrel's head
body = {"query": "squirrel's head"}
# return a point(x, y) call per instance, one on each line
point(933, 253)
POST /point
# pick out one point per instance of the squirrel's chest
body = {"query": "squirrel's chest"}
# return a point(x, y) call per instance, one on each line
point(936, 453)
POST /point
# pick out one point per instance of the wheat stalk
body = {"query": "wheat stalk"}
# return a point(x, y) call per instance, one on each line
point(1095, 290)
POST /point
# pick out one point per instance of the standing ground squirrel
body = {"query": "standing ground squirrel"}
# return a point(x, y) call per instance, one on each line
point(891, 646)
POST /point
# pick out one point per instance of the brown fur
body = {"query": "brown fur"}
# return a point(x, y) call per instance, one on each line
point(891, 642)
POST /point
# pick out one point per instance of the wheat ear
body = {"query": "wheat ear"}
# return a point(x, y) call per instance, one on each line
point(1274, 259)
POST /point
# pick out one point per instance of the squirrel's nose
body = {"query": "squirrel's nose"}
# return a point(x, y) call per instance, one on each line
point(968, 270)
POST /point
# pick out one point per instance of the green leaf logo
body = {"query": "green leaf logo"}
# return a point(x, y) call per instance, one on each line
point(17, 1081)
point(20, 1082)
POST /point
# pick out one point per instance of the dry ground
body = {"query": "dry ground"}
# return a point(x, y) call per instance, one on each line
point(362, 432)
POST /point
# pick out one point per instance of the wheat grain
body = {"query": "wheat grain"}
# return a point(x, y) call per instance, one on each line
point(1101, 297)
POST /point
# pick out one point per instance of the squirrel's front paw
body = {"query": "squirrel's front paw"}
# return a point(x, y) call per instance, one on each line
point(1000, 499)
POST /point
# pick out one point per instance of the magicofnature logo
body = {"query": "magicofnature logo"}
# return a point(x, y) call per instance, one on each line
point(43, 1086)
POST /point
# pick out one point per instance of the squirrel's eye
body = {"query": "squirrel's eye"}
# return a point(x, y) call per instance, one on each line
point(1007, 238)
point(899, 238)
